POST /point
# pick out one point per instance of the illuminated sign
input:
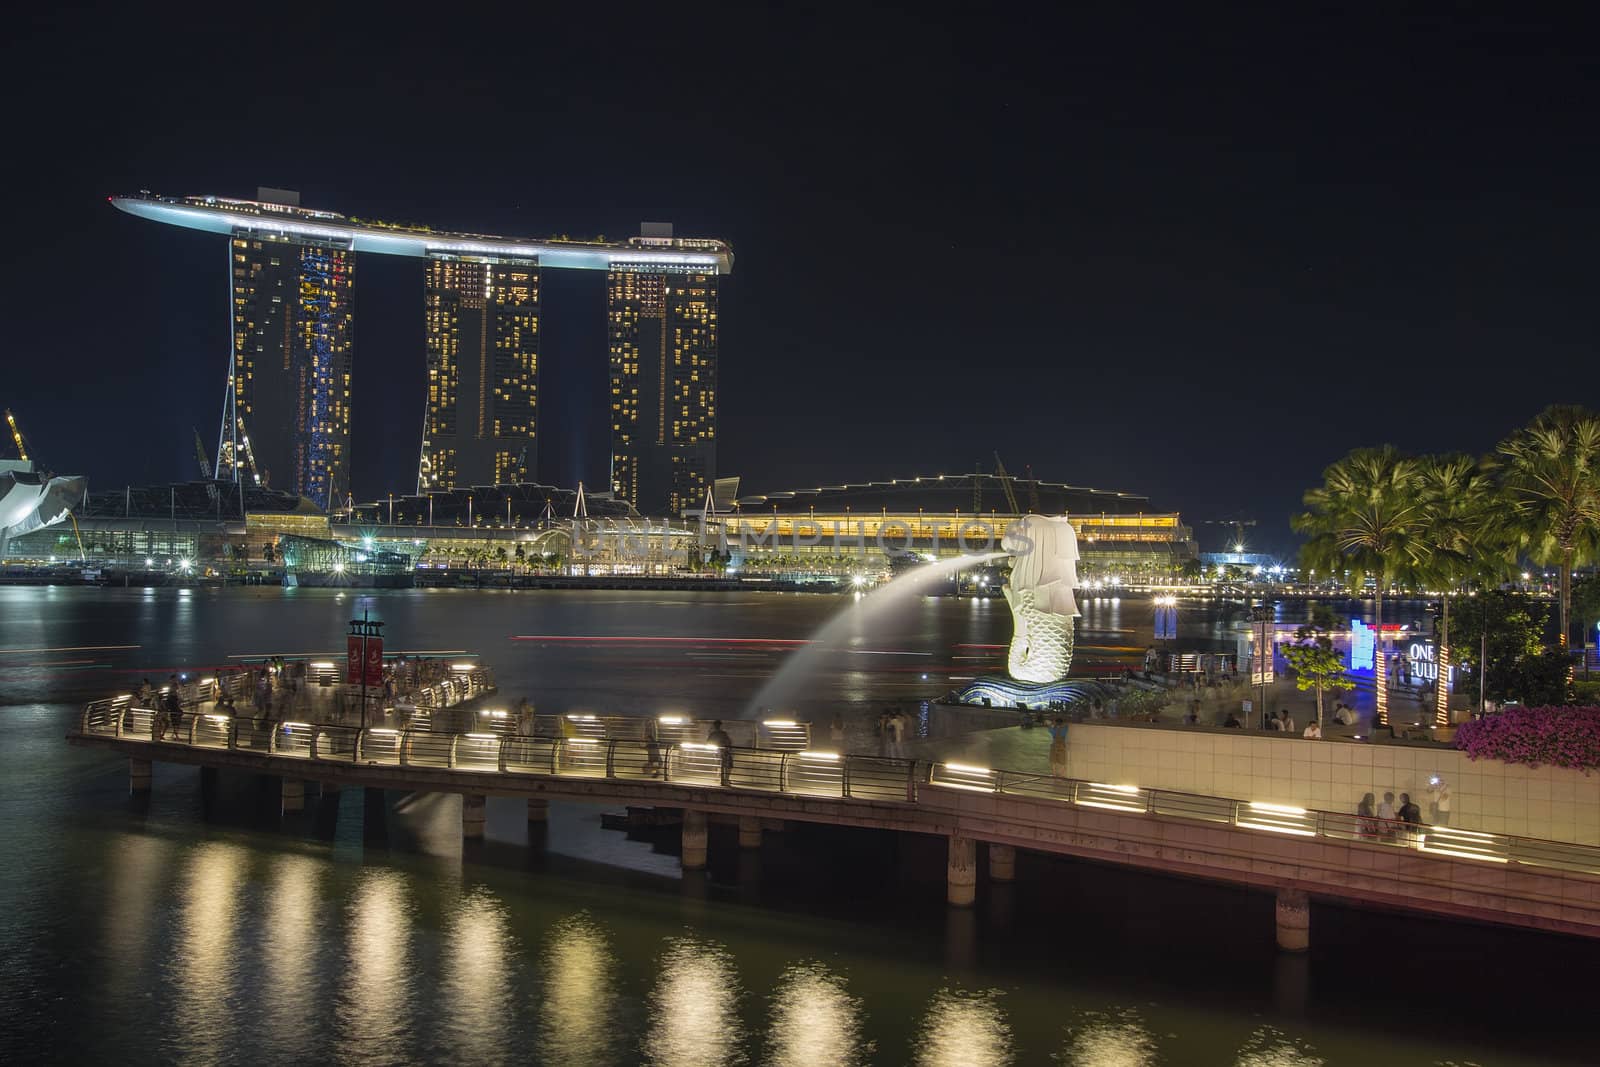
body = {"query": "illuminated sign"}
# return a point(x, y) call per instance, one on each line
point(1424, 662)
point(1363, 645)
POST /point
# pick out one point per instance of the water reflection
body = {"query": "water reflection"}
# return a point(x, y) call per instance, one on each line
point(1269, 1047)
point(478, 968)
point(204, 960)
point(289, 945)
point(1104, 1039)
point(374, 1001)
point(137, 865)
point(964, 1029)
point(578, 1009)
point(694, 1018)
point(815, 1020)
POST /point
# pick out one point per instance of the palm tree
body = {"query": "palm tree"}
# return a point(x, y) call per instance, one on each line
point(1551, 468)
point(1467, 539)
point(1367, 518)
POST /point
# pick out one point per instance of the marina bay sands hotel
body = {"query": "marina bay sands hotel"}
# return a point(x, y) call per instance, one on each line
point(286, 407)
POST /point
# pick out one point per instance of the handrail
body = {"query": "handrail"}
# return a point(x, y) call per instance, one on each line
point(806, 773)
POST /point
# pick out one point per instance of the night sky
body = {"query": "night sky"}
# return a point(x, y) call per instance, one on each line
point(1193, 259)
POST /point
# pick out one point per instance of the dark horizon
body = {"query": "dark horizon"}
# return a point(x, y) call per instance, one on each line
point(1196, 261)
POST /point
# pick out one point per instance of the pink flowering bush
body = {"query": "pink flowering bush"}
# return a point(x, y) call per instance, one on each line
point(1558, 736)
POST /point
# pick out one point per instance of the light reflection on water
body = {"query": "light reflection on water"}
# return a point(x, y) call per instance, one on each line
point(1111, 1040)
point(964, 1029)
point(815, 1020)
point(577, 1009)
point(479, 961)
point(1269, 1047)
point(204, 960)
point(374, 1009)
point(289, 944)
point(694, 1010)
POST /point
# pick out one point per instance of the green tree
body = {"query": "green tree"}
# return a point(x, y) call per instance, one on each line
point(1586, 608)
point(1500, 639)
point(1317, 664)
point(1467, 539)
point(1366, 519)
point(1551, 468)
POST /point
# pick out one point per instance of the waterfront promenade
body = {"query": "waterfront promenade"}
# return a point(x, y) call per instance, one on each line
point(1294, 852)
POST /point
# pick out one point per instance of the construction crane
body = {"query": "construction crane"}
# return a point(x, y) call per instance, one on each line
point(1005, 483)
point(1033, 491)
point(16, 435)
point(206, 471)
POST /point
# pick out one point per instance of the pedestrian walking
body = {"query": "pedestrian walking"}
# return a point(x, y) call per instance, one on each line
point(719, 737)
point(1439, 797)
point(897, 734)
point(1058, 747)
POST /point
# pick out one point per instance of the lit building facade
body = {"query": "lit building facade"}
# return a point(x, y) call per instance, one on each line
point(481, 319)
point(293, 347)
point(663, 335)
point(286, 411)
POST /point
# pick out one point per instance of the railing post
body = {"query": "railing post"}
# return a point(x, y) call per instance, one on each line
point(315, 734)
point(500, 755)
point(783, 773)
point(611, 756)
point(233, 733)
point(405, 743)
point(911, 783)
point(450, 755)
point(844, 785)
point(272, 737)
point(120, 713)
point(355, 754)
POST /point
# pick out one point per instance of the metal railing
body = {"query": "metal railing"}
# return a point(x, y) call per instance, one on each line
point(805, 773)
point(782, 734)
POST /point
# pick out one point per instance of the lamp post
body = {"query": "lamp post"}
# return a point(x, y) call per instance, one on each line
point(1263, 656)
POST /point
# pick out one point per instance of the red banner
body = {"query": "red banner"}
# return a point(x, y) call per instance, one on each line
point(374, 661)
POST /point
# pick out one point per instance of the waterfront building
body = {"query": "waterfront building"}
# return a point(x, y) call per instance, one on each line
point(1120, 536)
point(286, 411)
point(289, 374)
point(663, 335)
point(481, 319)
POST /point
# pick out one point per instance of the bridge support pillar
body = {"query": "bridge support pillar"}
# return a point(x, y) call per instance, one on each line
point(694, 840)
point(474, 812)
point(138, 775)
point(1294, 920)
point(293, 794)
point(749, 831)
point(961, 872)
point(1002, 863)
point(538, 810)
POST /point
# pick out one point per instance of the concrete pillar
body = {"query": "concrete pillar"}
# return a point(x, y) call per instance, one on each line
point(138, 775)
point(749, 832)
point(474, 811)
point(1294, 920)
point(961, 872)
point(694, 840)
point(538, 810)
point(1002, 863)
point(293, 794)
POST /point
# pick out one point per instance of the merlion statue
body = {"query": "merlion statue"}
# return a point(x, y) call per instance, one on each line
point(1043, 576)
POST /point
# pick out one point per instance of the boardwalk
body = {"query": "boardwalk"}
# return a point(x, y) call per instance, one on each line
point(1290, 850)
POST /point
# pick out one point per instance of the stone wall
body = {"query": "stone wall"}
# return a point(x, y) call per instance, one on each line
point(1331, 775)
